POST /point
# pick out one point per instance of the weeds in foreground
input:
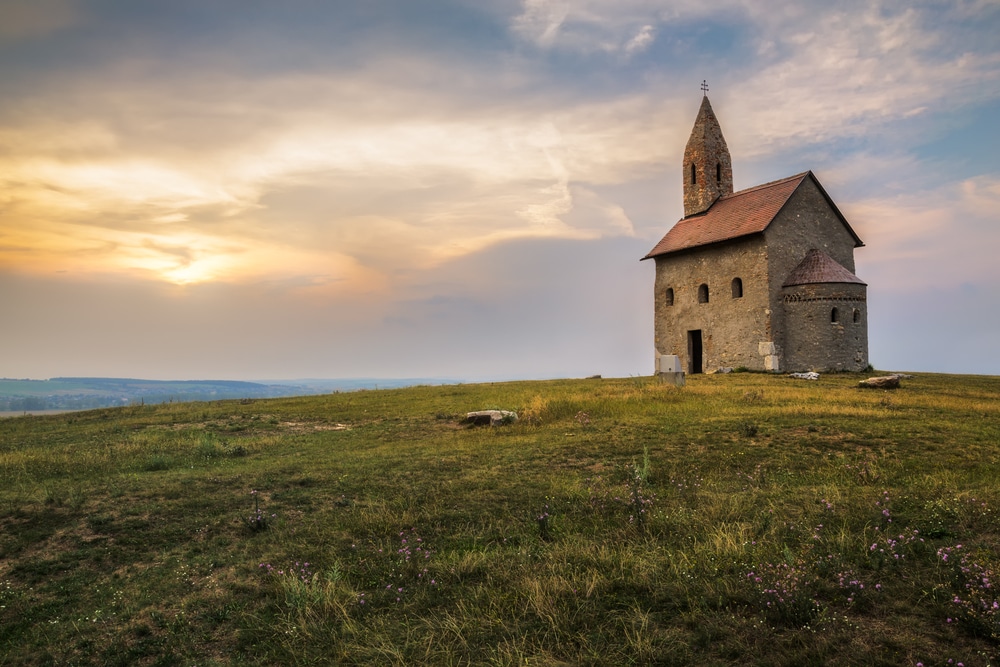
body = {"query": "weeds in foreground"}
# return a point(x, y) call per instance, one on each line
point(257, 521)
point(641, 498)
point(393, 571)
point(786, 592)
point(795, 591)
point(974, 577)
point(626, 492)
point(544, 532)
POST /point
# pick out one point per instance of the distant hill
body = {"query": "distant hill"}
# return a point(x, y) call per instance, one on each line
point(85, 393)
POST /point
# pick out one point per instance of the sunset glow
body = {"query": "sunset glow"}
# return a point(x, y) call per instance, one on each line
point(487, 174)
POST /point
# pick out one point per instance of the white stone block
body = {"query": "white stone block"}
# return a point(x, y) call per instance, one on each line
point(772, 362)
point(668, 363)
point(765, 348)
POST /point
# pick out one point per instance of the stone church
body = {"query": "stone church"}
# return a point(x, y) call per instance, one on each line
point(762, 278)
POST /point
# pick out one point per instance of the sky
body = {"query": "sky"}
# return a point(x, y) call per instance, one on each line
point(244, 189)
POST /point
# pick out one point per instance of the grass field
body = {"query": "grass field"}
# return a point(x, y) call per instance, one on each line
point(743, 519)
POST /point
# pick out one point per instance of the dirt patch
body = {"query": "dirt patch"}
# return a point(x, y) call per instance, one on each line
point(299, 427)
point(243, 425)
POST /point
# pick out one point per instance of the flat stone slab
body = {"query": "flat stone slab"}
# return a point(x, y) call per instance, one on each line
point(676, 379)
point(811, 375)
point(490, 417)
point(883, 382)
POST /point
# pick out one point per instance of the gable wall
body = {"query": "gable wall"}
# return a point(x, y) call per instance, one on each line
point(807, 221)
point(731, 328)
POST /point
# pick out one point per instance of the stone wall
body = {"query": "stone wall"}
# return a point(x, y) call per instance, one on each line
point(769, 327)
point(807, 221)
point(816, 339)
point(732, 328)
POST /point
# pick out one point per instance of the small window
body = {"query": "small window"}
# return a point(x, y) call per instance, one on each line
point(703, 293)
point(718, 173)
point(857, 315)
point(694, 174)
point(737, 288)
point(669, 296)
point(834, 316)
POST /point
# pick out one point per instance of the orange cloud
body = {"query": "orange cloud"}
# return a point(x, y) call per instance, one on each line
point(376, 196)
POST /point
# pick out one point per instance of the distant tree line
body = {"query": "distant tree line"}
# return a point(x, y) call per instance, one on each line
point(92, 401)
point(90, 393)
point(58, 402)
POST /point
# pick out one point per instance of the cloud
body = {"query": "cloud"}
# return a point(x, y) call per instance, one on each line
point(641, 40)
point(596, 26)
point(541, 20)
point(515, 309)
point(936, 239)
point(480, 175)
point(422, 140)
point(24, 19)
point(868, 65)
point(871, 173)
point(391, 171)
point(810, 73)
point(390, 188)
point(981, 197)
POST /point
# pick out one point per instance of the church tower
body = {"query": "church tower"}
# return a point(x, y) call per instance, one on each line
point(708, 169)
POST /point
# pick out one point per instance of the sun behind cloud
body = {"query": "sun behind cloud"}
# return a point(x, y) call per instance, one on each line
point(351, 199)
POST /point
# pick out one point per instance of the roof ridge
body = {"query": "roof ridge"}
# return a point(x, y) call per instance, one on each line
point(756, 188)
point(740, 214)
point(769, 184)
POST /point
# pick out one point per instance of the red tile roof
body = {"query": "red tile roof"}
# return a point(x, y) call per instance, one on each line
point(818, 267)
point(740, 214)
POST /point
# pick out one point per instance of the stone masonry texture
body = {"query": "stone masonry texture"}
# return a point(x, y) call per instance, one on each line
point(818, 326)
point(708, 167)
point(731, 327)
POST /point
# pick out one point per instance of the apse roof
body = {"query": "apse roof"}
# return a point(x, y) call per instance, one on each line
point(818, 267)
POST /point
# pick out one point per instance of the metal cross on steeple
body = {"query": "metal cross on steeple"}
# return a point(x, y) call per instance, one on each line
point(704, 87)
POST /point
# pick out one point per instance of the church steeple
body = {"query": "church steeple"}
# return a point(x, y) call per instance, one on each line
point(708, 169)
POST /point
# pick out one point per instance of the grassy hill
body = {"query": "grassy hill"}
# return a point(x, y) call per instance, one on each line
point(743, 519)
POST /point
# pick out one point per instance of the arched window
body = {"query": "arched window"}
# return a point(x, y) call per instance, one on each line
point(669, 296)
point(737, 288)
point(694, 174)
point(834, 316)
point(703, 293)
point(718, 172)
point(857, 315)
